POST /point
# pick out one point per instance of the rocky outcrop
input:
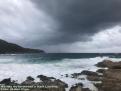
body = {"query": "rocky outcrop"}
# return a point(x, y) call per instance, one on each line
point(8, 81)
point(94, 78)
point(101, 70)
point(89, 73)
point(29, 81)
point(85, 72)
point(105, 63)
point(8, 48)
point(109, 64)
point(79, 87)
point(111, 80)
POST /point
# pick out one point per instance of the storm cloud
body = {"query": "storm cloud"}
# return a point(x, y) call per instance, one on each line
point(80, 19)
point(62, 25)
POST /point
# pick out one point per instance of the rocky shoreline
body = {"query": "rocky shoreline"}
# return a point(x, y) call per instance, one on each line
point(106, 78)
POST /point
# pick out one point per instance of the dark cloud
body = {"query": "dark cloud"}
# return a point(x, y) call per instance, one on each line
point(80, 19)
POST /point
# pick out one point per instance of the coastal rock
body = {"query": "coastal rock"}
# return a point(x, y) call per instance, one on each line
point(76, 75)
point(44, 78)
point(113, 73)
point(61, 83)
point(76, 88)
point(79, 87)
point(98, 85)
point(30, 78)
point(8, 81)
point(105, 63)
point(89, 73)
point(52, 80)
point(111, 80)
point(101, 70)
point(29, 81)
point(94, 78)
point(50, 85)
point(66, 75)
point(109, 64)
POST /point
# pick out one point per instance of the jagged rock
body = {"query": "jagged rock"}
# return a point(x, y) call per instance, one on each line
point(44, 78)
point(78, 87)
point(61, 83)
point(111, 77)
point(30, 78)
point(66, 75)
point(86, 89)
point(100, 70)
point(76, 75)
point(6, 81)
point(94, 78)
point(89, 73)
point(109, 64)
point(105, 63)
point(29, 81)
point(98, 85)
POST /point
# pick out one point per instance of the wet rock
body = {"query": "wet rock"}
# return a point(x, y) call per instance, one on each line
point(30, 78)
point(75, 75)
point(111, 77)
point(100, 70)
point(89, 73)
point(60, 83)
point(43, 78)
point(113, 73)
point(81, 78)
point(6, 81)
point(94, 78)
point(98, 85)
point(29, 81)
point(86, 89)
point(104, 63)
point(79, 87)
point(109, 64)
point(66, 75)
point(76, 88)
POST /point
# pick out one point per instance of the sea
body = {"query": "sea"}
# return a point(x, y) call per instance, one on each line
point(19, 66)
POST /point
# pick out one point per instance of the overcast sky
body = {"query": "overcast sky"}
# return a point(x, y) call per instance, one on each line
point(62, 25)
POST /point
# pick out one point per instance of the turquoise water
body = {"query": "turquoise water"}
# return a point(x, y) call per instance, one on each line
point(50, 57)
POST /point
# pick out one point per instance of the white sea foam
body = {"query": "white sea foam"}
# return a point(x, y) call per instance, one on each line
point(19, 72)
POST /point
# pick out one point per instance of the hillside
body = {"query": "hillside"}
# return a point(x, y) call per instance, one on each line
point(6, 47)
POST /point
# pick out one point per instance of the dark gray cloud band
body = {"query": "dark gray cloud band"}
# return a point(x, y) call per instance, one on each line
point(80, 19)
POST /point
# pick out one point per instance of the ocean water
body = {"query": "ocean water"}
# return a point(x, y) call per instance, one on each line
point(19, 66)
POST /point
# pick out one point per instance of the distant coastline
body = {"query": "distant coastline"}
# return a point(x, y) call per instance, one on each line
point(9, 48)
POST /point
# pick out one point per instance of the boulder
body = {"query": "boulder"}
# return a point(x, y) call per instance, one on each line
point(44, 78)
point(6, 81)
point(105, 63)
point(94, 78)
point(75, 75)
point(30, 78)
point(109, 64)
point(101, 70)
point(89, 73)
point(61, 83)
point(29, 81)
point(79, 87)
point(111, 80)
